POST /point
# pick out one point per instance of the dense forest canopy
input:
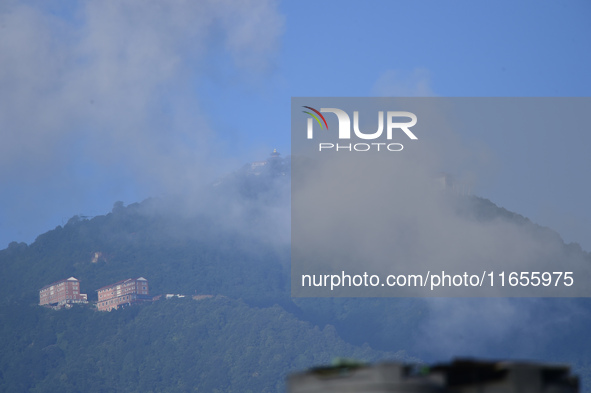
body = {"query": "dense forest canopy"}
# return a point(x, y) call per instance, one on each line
point(232, 242)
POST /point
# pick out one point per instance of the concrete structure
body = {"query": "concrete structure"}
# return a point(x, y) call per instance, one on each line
point(257, 167)
point(62, 293)
point(449, 184)
point(201, 297)
point(122, 293)
point(171, 295)
point(461, 376)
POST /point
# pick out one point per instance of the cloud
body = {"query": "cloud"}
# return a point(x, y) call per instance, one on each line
point(105, 95)
point(388, 213)
point(501, 328)
point(402, 83)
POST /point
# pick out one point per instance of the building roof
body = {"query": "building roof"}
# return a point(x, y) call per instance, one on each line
point(59, 282)
point(122, 282)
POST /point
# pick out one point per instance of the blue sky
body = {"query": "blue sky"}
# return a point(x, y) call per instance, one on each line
point(107, 101)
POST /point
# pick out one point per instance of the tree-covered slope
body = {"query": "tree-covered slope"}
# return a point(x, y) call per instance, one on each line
point(231, 240)
point(178, 345)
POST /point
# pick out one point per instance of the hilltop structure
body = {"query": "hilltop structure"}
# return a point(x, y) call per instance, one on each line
point(126, 292)
point(257, 167)
point(62, 293)
point(450, 184)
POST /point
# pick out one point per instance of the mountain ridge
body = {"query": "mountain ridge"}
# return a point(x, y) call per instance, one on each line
point(236, 248)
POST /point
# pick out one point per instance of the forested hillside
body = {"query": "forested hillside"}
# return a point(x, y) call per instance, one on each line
point(177, 345)
point(251, 333)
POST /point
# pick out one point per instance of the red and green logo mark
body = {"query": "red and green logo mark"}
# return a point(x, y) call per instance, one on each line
point(316, 117)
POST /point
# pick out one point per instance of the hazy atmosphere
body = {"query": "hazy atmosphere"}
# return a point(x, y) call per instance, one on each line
point(121, 101)
point(138, 140)
point(392, 212)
